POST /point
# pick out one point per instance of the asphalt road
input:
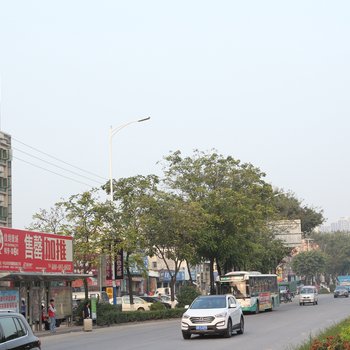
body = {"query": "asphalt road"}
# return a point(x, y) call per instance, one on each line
point(282, 329)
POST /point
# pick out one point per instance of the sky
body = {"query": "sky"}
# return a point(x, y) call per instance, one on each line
point(266, 82)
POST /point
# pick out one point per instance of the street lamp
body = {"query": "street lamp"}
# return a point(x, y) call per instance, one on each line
point(112, 132)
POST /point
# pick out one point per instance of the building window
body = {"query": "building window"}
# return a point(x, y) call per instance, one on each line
point(4, 155)
point(154, 264)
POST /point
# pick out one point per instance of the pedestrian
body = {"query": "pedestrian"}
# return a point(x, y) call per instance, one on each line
point(52, 316)
point(44, 318)
point(87, 310)
point(23, 308)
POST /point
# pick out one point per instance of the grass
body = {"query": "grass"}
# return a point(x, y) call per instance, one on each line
point(342, 328)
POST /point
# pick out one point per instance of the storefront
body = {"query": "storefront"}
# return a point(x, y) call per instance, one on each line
point(35, 267)
point(30, 293)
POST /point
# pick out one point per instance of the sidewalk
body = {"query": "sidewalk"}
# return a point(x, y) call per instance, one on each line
point(62, 329)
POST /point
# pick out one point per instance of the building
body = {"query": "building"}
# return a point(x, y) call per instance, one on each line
point(5, 180)
point(289, 232)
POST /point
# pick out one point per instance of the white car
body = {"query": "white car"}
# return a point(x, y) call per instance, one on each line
point(308, 294)
point(213, 314)
point(138, 305)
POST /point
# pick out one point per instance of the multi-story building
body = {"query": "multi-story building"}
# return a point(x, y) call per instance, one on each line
point(5, 180)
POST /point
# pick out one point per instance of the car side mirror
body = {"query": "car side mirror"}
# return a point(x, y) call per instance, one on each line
point(233, 306)
point(187, 306)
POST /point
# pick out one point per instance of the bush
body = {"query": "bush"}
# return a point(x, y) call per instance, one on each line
point(186, 295)
point(157, 306)
point(330, 343)
point(111, 316)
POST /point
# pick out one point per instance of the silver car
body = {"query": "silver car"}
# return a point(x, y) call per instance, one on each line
point(213, 314)
point(341, 291)
point(308, 295)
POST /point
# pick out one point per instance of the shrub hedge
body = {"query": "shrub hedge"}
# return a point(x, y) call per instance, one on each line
point(108, 314)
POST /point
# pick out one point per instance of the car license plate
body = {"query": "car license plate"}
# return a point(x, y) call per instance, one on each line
point(201, 328)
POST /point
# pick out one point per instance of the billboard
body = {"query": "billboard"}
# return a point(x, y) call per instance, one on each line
point(28, 251)
point(9, 300)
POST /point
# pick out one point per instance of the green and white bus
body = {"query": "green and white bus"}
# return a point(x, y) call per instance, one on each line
point(255, 291)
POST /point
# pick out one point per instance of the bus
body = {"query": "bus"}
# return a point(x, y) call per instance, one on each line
point(255, 291)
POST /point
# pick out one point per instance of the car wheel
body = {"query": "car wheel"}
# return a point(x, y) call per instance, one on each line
point(140, 309)
point(300, 304)
point(241, 326)
point(186, 335)
point(228, 331)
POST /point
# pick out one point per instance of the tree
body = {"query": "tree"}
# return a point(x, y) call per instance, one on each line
point(172, 227)
point(131, 197)
point(336, 247)
point(85, 224)
point(235, 198)
point(289, 207)
point(309, 265)
point(52, 221)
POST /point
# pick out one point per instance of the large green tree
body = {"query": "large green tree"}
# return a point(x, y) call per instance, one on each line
point(236, 199)
point(172, 227)
point(85, 225)
point(131, 198)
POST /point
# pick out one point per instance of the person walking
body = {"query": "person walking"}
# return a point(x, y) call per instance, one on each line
point(52, 316)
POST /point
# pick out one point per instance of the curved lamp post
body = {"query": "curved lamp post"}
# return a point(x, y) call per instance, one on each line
point(112, 132)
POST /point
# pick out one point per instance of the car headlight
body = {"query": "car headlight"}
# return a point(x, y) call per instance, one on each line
point(185, 316)
point(221, 315)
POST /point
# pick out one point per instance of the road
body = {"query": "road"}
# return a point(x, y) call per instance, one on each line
point(282, 329)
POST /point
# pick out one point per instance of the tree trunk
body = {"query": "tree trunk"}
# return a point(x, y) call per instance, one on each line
point(86, 288)
point(189, 272)
point(128, 273)
point(211, 272)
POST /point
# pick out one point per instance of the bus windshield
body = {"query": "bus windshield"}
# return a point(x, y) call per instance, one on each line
point(238, 288)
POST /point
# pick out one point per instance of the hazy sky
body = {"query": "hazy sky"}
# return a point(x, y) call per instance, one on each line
point(267, 82)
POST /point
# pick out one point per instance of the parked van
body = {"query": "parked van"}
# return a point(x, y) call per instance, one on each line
point(308, 294)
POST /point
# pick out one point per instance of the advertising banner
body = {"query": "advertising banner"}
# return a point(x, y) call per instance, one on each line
point(27, 251)
point(9, 300)
point(118, 266)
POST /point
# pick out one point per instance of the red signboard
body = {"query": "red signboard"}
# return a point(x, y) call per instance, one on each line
point(27, 251)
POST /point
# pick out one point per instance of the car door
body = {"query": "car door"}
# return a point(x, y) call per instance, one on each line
point(13, 334)
point(234, 311)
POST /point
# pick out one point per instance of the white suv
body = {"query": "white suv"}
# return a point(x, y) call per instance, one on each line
point(213, 314)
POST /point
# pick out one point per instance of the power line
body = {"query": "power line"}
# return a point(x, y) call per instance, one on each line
point(45, 161)
point(53, 172)
point(62, 161)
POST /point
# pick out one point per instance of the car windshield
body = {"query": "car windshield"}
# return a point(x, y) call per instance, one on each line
point(341, 288)
point(209, 303)
point(307, 291)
